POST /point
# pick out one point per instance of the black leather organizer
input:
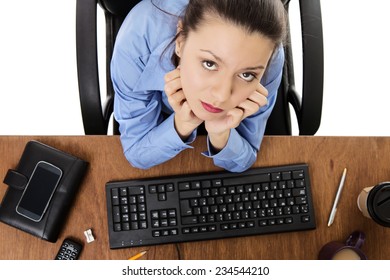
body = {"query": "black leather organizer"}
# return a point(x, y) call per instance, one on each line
point(73, 170)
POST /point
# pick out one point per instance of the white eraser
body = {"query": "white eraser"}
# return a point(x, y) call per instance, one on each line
point(88, 234)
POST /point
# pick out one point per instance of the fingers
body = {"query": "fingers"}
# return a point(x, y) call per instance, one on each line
point(262, 90)
point(176, 100)
point(248, 108)
point(254, 102)
point(173, 89)
point(235, 116)
point(259, 99)
point(175, 73)
point(260, 95)
point(172, 82)
point(186, 109)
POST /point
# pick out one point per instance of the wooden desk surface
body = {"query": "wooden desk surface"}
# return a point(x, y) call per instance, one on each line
point(367, 160)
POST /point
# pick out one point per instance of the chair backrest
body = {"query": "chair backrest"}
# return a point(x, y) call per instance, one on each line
point(96, 115)
point(307, 106)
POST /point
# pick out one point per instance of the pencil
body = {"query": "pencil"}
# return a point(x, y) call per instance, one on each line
point(337, 198)
point(137, 256)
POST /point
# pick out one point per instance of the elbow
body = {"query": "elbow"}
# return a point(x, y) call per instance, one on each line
point(245, 164)
point(136, 161)
point(240, 165)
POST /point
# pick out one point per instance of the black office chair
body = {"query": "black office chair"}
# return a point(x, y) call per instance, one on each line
point(96, 116)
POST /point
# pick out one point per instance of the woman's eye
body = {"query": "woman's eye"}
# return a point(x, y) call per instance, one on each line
point(209, 65)
point(248, 77)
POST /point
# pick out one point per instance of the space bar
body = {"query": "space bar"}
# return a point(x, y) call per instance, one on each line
point(250, 179)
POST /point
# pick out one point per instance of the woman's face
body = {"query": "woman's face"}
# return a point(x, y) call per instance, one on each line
point(220, 66)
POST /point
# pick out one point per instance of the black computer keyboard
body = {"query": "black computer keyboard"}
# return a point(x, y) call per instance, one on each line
point(208, 206)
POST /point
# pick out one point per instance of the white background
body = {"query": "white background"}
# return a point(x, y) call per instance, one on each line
point(113, 270)
point(38, 76)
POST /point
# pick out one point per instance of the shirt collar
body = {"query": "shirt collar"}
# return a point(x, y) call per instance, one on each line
point(152, 77)
point(174, 7)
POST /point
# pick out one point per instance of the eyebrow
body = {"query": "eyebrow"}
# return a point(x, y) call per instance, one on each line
point(221, 61)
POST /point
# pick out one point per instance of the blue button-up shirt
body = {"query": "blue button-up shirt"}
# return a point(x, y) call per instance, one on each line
point(139, 62)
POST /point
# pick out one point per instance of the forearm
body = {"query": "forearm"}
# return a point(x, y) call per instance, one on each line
point(236, 156)
point(149, 148)
point(218, 141)
point(184, 129)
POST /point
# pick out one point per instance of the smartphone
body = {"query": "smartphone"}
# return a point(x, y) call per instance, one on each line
point(39, 191)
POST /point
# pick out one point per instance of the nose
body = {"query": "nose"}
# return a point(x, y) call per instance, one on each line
point(222, 91)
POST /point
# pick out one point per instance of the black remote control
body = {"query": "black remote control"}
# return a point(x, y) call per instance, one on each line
point(69, 250)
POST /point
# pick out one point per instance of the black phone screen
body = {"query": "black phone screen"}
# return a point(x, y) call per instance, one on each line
point(39, 191)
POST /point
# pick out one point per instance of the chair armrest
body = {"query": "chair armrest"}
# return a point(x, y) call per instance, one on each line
point(309, 114)
point(87, 68)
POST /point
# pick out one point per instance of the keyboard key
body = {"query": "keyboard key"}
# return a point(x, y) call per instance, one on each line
point(117, 227)
point(195, 185)
point(299, 192)
point(162, 197)
point(143, 225)
point(163, 214)
point(206, 184)
point(300, 183)
point(152, 189)
point(184, 186)
point(298, 174)
point(125, 218)
point(170, 188)
point(216, 182)
point(276, 176)
point(154, 214)
point(189, 220)
point(190, 194)
point(185, 208)
point(135, 190)
point(301, 200)
point(286, 175)
point(115, 196)
point(263, 223)
point(116, 214)
point(171, 213)
point(163, 223)
point(142, 216)
point(160, 188)
point(248, 179)
point(305, 219)
point(123, 191)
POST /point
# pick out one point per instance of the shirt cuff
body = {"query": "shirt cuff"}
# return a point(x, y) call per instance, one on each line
point(170, 136)
point(236, 156)
point(233, 147)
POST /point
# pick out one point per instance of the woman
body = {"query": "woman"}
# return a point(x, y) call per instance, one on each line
point(217, 62)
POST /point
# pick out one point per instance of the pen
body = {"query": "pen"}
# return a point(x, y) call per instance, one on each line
point(137, 256)
point(337, 198)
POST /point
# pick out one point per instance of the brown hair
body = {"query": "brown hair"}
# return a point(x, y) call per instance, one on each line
point(267, 17)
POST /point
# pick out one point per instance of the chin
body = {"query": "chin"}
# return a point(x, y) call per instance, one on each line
point(206, 116)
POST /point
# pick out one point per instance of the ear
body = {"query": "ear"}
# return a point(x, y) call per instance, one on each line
point(179, 40)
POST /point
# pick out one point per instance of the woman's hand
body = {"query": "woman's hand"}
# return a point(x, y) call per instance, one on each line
point(185, 119)
point(219, 129)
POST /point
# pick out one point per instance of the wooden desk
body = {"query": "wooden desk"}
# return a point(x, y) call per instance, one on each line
point(367, 160)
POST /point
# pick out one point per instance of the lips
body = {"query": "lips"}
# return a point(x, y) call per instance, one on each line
point(211, 108)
